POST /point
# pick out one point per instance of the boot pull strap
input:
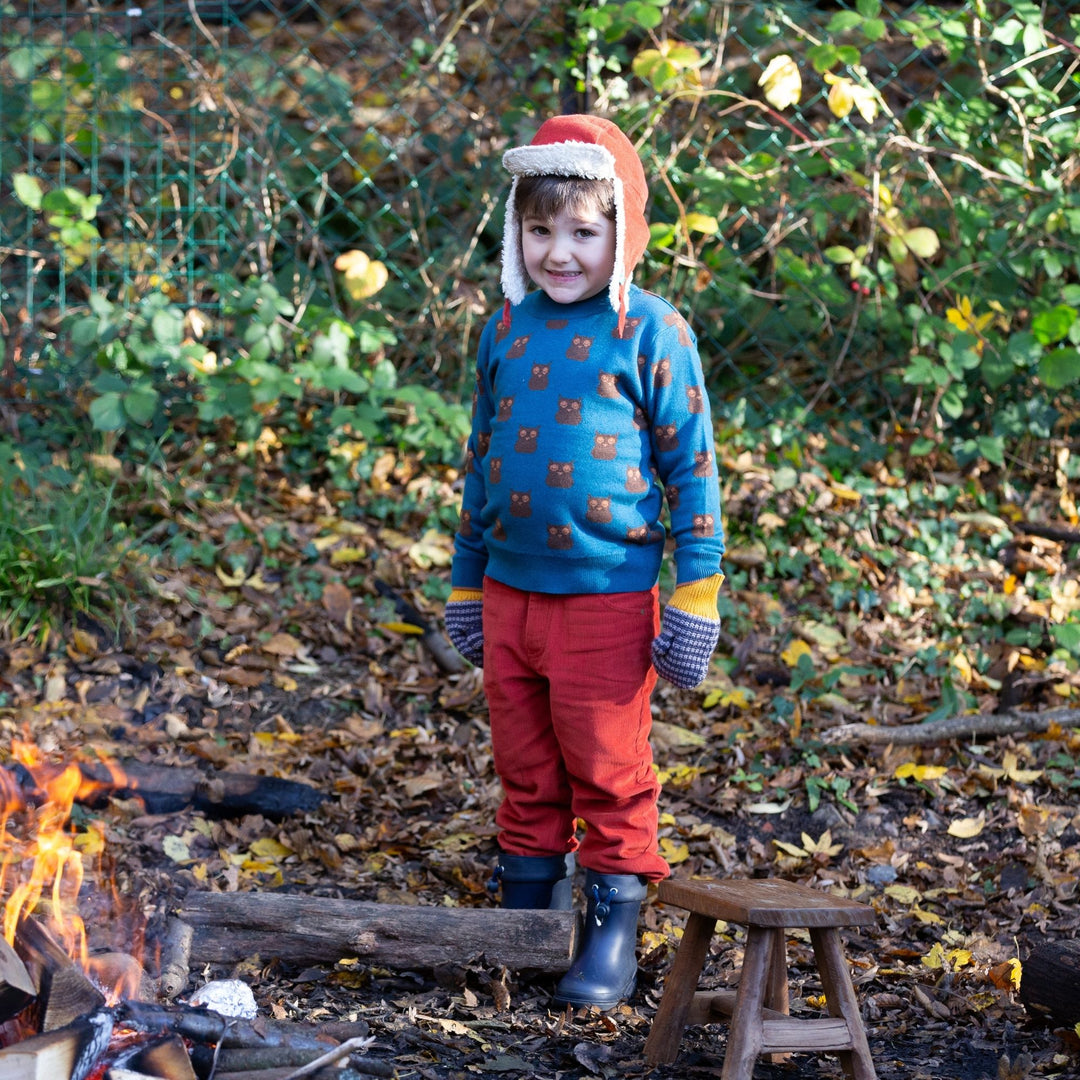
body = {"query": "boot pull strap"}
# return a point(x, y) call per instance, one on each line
point(494, 880)
point(603, 906)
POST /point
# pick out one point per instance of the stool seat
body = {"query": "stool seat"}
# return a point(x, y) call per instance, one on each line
point(759, 1010)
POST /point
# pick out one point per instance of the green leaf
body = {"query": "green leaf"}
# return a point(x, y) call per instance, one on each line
point(843, 21)
point(922, 241)
point(1067, 635)
point(107, 412)
point(140, 403)
point(1052, 326)
point(28, 190)
point(839, 254)
point(1059, 368)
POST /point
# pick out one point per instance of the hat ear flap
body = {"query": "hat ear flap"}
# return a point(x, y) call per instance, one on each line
point(514, 279)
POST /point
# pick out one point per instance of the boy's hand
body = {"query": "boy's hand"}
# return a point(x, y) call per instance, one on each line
point(682, 650)
point(464, 618)
point(689, 631)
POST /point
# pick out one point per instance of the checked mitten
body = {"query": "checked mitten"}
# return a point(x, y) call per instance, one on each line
point(464, 618)
point(689, 631)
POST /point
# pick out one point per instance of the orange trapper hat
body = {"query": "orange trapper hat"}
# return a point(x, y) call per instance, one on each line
point(594, 149)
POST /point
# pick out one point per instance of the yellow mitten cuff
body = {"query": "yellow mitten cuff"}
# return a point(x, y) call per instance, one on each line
point(464, 594)
point(698, 597)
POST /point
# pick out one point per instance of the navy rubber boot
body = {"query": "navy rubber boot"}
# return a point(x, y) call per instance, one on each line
point(604, 972)
point(535, 881)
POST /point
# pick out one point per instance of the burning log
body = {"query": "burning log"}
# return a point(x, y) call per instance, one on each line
point(305, 929)
point(166, 1058)
point(72, 1051)
point(17, 989)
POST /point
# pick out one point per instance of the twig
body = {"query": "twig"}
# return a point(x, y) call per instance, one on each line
point(964, 726)
point(362, 1042)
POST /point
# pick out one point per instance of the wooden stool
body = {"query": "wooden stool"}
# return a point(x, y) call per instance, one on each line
point(759, 1009)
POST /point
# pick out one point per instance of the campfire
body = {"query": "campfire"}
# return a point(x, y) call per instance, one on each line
point(68, 1012)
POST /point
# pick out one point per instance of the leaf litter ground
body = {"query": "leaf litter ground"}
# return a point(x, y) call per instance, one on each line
point(290, 662)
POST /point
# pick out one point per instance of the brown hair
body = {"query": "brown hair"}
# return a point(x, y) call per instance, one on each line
point(547, 196)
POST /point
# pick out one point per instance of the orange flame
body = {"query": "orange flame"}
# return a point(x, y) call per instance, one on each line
point(55, 864)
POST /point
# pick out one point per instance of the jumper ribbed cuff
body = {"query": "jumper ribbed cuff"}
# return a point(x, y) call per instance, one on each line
point(698, 597)
point(457, 595)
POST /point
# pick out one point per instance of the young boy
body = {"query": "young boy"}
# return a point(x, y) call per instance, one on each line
point(589, 410)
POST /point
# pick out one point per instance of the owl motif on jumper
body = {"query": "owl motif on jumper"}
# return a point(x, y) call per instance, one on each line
point(695, 399)
point(521, 503)
point(641, 421)
point(629, 330)
point(579, 347)
point(598, 509)
point(502, 329)
point(517, 347)
point(604, 446)
point(569, 411)
point(465, 524)
point(526, 440)
point(607, 385)
point(667, 437)
point(637, 534)
point(673, 493)
point(506, 407)
point(676, 320)
point(495, 470)
point(702, 463)
point(560, 474)
point(498, 531)
point(559, 537)
point(555, 324)
point(703, 525)
point(483, 443)
point(538, 377)
point(636, 484)
point(661, 372)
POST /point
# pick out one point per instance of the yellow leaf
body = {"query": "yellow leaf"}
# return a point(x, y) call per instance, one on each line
point(919, 772)
point(1012, 770)
point(702, 223)
point(91, 842)
point(791, 655)
point(737, 696)
point(926, 916)
point(230, 581)
point(674, 851)
point(267, 847)
point(935, 958)
point(841, 99)
point(432, 549)
point(781, 82)
point(364, 276)
point(790, 849)
point(966, 828)
point(346, 555)
point(401, 627)
point(906, 894)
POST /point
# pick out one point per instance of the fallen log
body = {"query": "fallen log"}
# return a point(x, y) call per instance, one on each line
point(1050, 987)
point(971, 726)
point(229, 927)
point(167, 789)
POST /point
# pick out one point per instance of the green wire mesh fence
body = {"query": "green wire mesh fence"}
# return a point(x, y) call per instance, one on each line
point(182, 148)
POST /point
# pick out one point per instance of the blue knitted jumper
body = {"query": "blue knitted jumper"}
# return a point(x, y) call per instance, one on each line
point(577, 435)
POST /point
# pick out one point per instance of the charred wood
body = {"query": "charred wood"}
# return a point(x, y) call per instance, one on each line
point(1050, 988)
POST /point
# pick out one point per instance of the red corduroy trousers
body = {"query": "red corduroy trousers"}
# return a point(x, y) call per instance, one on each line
point(568, 681)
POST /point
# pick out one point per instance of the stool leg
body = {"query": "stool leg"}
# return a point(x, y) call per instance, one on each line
point(745, 1035)
point(841, 1000)
point(776, 986)
point(662, 1045)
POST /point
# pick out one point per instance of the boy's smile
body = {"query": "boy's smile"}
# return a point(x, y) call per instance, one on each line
point(570, 256)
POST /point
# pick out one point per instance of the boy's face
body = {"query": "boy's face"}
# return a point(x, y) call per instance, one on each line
point(570, 256)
